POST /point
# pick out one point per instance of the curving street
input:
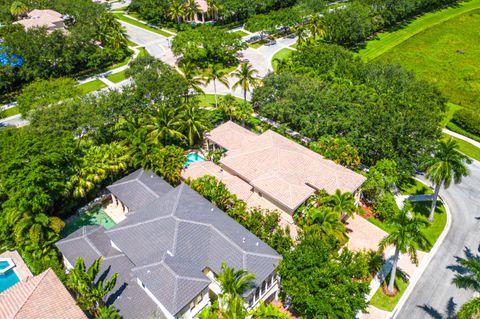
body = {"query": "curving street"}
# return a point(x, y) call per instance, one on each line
point(434, 295)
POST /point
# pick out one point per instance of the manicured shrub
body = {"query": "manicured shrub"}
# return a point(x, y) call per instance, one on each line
point(468, 120)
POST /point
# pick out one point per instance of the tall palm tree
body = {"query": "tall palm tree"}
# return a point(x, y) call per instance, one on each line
point(176, 11)
point(193, 82)
point(110, 32)
point(215, 74)
point(468, 277)
point(234, 283)
point(406, 236)
point(18, 9)
point(446, 164)
point(301, 33)
point(247, 79)
point(326, 223)
point(164, 126)
point(235, 309)
point(193, 123)
point(342, 203)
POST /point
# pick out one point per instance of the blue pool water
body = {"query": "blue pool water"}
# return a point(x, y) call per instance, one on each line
point(193, 157)
point(7, 279)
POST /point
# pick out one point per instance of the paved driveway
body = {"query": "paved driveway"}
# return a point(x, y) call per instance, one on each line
point(434, 290)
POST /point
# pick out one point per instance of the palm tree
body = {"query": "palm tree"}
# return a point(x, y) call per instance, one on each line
point(316, 27)
point(192, 123)
point(164, 125)
point(34, 229)
point(191, 9)
point(446, 164)
point(228, 104)
point(176, 11)
point(215, 73)
point(18, 9)
point(243, 112)
point(194, 83)
point(342, 203)
point(108, 313)
point(326, 223)
point(110, 32)
point(406, 236)
point(234, 283)
point(235, 309)
point(302, 35)
point(468, 277)
point(247, 79)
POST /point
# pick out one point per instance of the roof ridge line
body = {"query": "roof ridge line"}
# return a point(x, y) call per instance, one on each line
point(148, 188)
point(177, 200)
point(111, 230)
point(263, 255)
point(93, 246)
point(129, 181)
point(65, 240)
point(33, 290)
point(175, 234)
point(147, 265)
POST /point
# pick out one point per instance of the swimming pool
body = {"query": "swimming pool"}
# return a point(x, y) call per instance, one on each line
point(9, 60)
point(8, 278)
point(93, 216)
point(193, 157)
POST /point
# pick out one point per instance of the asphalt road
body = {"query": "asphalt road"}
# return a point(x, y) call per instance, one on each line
point(434, 295)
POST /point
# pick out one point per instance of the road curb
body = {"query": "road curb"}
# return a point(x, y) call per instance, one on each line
point(423, 265)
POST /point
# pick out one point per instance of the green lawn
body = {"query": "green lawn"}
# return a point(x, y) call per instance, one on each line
point(117, 77)
point(11, 111)
point(451, 109)
point(453, 127)
point(433, 231)
point(281, 55)
point(384, 302)
point(387, 40)
point(413, 187)
point(241, 33)
point(123, 18)
point(204, 72)
point(208, 100)
point(467, 148)
point(258, 44)
point(446, 55)
point(91, 86)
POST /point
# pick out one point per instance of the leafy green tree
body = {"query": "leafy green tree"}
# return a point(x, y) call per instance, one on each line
point(44, 93)
point(18, 9)
point(337, 149)
point(194, 83)
point(247, 79)
point(108, 313)
point(380, 180)
point(235, 308)
point(191, 9)
point(89, 288)
point(322, 282)
point(228, 105)
point(215, 74)
point(447, 165)
point(263, 311)
point(385, 206)
point(243, 112)
point(168, 162)
point(407, 236)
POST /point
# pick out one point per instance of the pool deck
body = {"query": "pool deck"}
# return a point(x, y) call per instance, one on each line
point(20, 268)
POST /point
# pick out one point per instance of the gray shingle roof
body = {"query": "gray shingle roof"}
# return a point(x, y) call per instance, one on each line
point(169, 242)
point(91, 242)
point(139, 189)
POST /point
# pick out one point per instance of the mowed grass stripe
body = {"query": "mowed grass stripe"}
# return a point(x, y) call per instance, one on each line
point(387, 40)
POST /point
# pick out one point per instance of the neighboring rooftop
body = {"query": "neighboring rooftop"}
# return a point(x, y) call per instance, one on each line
point(43, 18)
point(139, 189)
point(39, 297)
point(279, 168)
point(167, 245)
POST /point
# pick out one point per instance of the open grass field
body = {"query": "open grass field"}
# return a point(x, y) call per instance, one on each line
point(208, 100)
point(388, 40)
point(91, 86)
point(117, 77)
point(446, 55)
point(11, 111)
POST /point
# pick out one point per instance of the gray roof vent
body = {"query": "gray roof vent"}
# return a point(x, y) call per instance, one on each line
point(243, 239)
point(169, 253)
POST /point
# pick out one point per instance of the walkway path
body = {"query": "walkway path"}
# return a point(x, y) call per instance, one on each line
point(462, 137)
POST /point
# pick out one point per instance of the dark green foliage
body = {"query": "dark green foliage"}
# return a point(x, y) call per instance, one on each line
point(385, 206)
point(59, 54)
point(323, 283)
point(269, 22)
point(153, 11)
point(380, 179)
point(357, 21)
point(337, 149)
point(263, 224)
point(380, 109)
point(468, 120)
point(207, 45)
